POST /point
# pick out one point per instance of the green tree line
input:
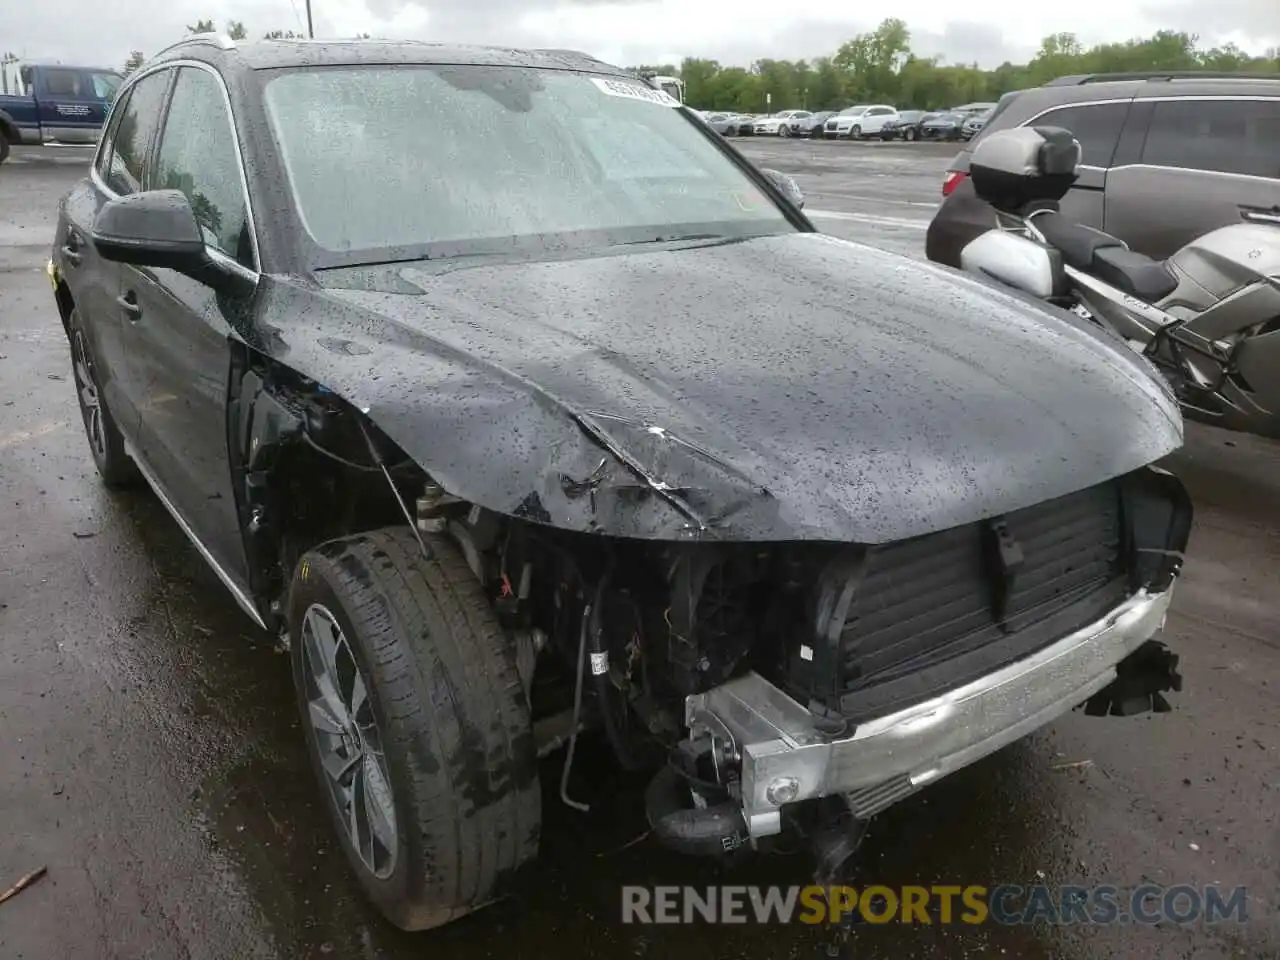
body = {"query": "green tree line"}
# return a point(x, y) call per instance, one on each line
point(880, 67)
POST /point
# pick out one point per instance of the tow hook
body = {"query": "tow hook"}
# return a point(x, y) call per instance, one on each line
point(1142, 679)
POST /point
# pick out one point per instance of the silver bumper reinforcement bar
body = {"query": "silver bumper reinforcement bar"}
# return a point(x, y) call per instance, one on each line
point(785, 758)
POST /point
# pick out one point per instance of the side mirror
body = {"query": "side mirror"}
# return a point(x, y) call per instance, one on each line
point(1013, 168)
point(155, 228)
point(1017, 262)
point(789, 188)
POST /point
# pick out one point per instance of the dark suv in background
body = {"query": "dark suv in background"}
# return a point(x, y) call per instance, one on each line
point(1167, 157)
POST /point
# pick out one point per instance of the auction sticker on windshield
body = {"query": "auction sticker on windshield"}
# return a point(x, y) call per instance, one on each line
point(635, 91)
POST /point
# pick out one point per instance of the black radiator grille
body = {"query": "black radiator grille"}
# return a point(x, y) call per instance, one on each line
point(926, 600)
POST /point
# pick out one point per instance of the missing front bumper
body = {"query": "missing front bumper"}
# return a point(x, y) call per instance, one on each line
point(785, 758)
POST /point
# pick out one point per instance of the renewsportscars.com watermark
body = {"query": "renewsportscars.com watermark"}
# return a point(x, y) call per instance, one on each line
point(1007, 904)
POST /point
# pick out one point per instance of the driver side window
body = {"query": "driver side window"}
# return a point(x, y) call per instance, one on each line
point(198, 156)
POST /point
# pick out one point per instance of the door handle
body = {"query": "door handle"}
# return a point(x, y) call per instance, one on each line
point(1260, 216)
point(71, 250)
point(129, 304)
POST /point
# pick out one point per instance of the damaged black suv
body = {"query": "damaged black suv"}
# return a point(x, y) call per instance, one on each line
point(521, 404)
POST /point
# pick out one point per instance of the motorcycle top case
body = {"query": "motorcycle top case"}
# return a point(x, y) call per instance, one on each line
point(1012, 169)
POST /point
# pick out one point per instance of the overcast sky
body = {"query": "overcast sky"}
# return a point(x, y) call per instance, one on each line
point(639, 31)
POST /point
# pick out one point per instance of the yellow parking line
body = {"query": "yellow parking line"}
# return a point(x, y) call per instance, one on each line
point(22, 436)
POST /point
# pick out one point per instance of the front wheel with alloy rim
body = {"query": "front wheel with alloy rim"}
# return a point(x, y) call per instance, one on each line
point(910, 134)
point(417, 723)
point(105, 442)
point(856, 133)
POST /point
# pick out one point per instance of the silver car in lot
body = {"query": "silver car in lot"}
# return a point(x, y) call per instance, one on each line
point(727, 124)
point(779, 125)
point(810, 126)
point(972, 126)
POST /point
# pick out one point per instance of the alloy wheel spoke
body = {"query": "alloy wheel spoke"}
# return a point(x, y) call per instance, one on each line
point(359, 703)
point(377, 793)
point(88, 395)
point(343, 728)
point(361, 836)
point(341, 766)
point(323, 717)
point(319, 648)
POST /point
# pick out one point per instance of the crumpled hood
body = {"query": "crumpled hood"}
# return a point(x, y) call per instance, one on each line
point(801, 387)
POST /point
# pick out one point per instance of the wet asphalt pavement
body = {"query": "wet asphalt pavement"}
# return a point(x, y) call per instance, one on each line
point(151, 760)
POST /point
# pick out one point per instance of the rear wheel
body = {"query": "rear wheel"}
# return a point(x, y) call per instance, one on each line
point(417, 723)
point(105, 442)
point(4, 145)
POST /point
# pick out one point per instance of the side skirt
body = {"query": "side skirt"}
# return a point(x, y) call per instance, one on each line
point(237, 590)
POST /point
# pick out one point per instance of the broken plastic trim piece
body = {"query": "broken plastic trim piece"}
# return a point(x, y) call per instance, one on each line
point(1142, 679)
point(665, 434)
point(656, 484)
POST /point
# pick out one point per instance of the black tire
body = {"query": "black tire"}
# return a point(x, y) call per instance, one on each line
point(105, 441)
point(4, 145)
point(909, 135)
point(856, 132)
point(451, 715)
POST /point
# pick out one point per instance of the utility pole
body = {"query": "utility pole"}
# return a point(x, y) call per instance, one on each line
point(311, 34)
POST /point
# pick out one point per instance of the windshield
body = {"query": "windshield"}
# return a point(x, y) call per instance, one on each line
point(472, 157)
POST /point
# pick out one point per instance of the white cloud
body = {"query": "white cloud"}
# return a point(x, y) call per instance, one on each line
point(649, 31)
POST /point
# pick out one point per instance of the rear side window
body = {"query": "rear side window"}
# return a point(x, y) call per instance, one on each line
point(1096, 126)
point(62, 83)
point(1225, 136)
point(127, 167)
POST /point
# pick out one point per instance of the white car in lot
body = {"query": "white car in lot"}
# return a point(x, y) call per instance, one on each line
point(862, 120)
point(775, 125)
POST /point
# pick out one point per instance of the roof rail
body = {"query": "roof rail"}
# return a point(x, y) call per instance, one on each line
point(219, 40)
point(565, 52)
point(1083, 78)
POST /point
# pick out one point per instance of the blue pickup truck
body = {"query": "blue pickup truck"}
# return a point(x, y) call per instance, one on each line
point(55, 104)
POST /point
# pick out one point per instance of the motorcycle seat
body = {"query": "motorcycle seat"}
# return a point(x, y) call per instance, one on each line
point(1148, 280)
point(1106, 257)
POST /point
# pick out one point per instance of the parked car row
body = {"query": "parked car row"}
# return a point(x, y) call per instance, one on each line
point(858, 122)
